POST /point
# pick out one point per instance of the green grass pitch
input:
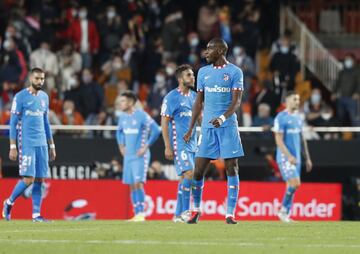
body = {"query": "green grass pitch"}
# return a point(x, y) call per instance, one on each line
point(167, 237)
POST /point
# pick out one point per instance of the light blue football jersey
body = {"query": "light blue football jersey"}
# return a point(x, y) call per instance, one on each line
point(291, 126)
point(217, 83)
point(178, 107)
point(135, 130)
point(29, 122)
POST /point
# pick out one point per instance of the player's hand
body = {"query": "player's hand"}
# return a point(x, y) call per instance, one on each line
point(52, 154)
point(216, 122)
point(13, 154)
point(309, 165)
point(292, 160)
point(142, 151)
point(187, 136)
point(122, 151)
point(169, 154)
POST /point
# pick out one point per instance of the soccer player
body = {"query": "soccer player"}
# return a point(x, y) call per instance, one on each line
point(288, 138)
point(31, 137)
point(219, 88)
point(136, 132)
point(176, 115)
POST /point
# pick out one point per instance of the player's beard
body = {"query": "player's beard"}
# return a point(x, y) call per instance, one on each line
point(36, 87)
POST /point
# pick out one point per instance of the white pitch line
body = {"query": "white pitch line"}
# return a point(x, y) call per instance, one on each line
point(47, 230)
point(193, 243)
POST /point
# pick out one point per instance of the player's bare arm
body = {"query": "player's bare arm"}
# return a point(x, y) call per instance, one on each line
point(169, 153)
point(52, 151)
point(279, 137)
point(235, 102)
point(13, 153)
point(308, 161)
point(196, 111)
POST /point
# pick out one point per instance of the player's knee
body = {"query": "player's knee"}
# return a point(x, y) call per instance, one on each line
point(232, 170)
point(188, 174)
point(198, 175)
point(28, 180)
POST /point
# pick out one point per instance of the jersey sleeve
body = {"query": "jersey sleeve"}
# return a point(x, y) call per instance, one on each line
point(16, 111)
point(48, 131)
point(200, 81)
point(167, 107)
point(120, 137)
point(237, 82)
point(153, 128)
point(279, 124)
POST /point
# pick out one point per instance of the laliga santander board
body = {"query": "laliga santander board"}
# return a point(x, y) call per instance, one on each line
point(109, 199)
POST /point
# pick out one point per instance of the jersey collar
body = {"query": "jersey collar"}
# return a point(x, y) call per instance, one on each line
point(183, 94)
point(221, 66)
point(32, 93)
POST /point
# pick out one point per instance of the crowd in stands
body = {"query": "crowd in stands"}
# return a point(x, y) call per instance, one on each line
point(93, 50)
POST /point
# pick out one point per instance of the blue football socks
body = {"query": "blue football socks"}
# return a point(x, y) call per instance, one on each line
point(19, 188)
point(232, 197)
point(36, 198)
point(179, 201)
point(288, 198)
point(197, 188)
point(186, 188)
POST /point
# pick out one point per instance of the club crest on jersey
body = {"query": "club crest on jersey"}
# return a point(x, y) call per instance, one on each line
point(226, 77)
point(43, 103)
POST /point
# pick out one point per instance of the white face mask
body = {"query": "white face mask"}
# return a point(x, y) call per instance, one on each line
point(74, 12)
point(72, 83)
point(194, 42)
point(169, 71)
point(326, 116)
point(348, 63)
point(236, 51)
point(68, 111)
point(315, 98)
point(117, 65)
point(284, 49)
point(117, 113)
point(7, 45)
point(159, 78)
point(111, 14)
point(82, 14)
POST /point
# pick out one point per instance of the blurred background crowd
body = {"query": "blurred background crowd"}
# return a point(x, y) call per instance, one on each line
point(93, 50)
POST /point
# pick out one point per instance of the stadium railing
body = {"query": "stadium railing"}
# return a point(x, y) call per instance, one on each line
point(313, 54)
point(241, 129)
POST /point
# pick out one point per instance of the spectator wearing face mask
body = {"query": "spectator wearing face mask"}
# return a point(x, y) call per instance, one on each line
point(158, 91)
point(264, 119)
point(84, 33)
point(69, 64)
point(327, 118)
point(110, 33)
point(12, 63)
point(247, 65)
point(192, 50)
point(44, 58)
point(284, 65)
point(91, 98)
point(69, 115)
point(347, 91)
point(314, 106)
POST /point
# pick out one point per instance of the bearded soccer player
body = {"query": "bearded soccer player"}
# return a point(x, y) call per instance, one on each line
point(288, 138)
point(31, 139)
point(219, 89)
point(136, 132)
point(175, 118)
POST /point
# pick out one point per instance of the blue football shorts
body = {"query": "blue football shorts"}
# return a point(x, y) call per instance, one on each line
point(223, 142)
point(288, 171)
point(34, 161)
point(135, 168)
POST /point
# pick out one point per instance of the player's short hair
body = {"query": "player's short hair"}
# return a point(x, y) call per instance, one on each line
point(220, 43)
point(130, 95)
point(180, 69)
point(290, 93)
point(36, 70)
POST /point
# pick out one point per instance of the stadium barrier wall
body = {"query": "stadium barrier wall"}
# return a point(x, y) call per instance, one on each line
point(109, 199)
point(334, 160)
